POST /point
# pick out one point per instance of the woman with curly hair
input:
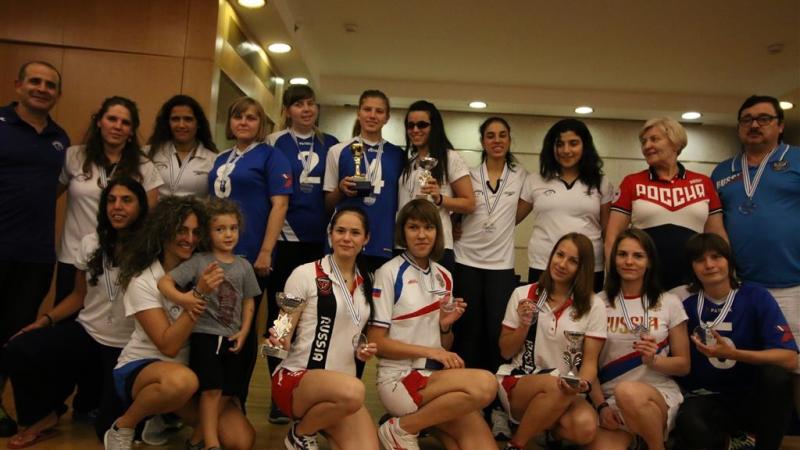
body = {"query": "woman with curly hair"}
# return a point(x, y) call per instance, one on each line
point(47, 357)
point(181, 147)
point(151, 376)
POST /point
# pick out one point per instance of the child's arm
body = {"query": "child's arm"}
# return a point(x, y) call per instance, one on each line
point(191, 301)
point(248, 310)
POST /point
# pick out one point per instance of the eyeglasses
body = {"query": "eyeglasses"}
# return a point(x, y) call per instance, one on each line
point(762, 120)
point(421, 125)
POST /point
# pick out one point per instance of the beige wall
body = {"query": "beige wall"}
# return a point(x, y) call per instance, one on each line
point(616, 141)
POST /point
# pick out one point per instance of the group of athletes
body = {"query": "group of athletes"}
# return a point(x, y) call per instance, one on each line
point(634, 328)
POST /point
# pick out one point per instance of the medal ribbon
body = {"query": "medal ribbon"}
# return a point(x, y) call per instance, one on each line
point(230, 164)
point(355, 314)
point(751, 186)
point(723, 313)
point(484, 188)
point(112, 288)
point(372, 169)
point(103, 177)
point(429, 285)
point(173, 180)
point(626, 316)
point(306, 162)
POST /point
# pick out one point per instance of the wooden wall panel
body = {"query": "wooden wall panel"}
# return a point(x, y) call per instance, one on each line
point(201, 30)
point(13, 56)
point(33, 20)
point(198, 75)
point(144, 26)
point(148, 80)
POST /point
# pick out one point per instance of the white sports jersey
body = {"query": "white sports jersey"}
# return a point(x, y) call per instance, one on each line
point(558, 210)
point(187, 178)
point(618, 361)
point(324, 335)
point(142, 294)
point(487, 242)
point(84, 198)
point(550, 343)
point(409, 186)
point(406, 300)
point(102, 318)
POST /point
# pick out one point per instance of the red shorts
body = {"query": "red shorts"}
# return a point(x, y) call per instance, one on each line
point(284, 382)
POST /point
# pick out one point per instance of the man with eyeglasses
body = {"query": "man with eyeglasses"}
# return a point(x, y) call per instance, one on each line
point(761, 208)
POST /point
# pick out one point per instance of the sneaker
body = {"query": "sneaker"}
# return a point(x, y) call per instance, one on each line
point(199, 446)
point(155, 431)
point(510, 446)
point(8, 427)
point(118, 438)
point(276, 416)
point(395, 438)
point(742, 441)
point(296, 441)
point(500, 428)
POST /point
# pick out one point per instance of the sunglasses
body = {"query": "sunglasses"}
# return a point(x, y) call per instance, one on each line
point(420, 125)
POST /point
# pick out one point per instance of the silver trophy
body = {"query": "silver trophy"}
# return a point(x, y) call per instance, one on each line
point(283, 324)
point(573, 356)
point(360, 342)
point(426, 164)
point(446, 301)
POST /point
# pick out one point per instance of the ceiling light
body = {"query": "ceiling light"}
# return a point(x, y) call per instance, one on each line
point(252, 3)
point(691, 115)
point(786, 105)
point(477, 104)
point(298, 80)
point(279, 47)
point(584, 110)
point(278, 80)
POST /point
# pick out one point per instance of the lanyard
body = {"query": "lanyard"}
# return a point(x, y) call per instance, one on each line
point(173, 180)
point(428, 284)
point(723, 313)
point(644, 326)
point(491, 207)
point(751, 186)
point(355, 314)
point(230, 165)
point(103, 177)
point(112, 288)
point(306, 162)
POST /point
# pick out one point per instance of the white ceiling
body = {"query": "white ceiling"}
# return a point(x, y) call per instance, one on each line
point(627, 59)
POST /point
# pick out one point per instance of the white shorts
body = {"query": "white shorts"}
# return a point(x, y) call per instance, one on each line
point(789, 301)
point(672, 397)
point(400, 394)
point(506, 383)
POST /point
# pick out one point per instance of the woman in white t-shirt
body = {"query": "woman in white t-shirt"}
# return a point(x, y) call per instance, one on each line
point(484, 273)
point(47, 357)
point(151, 376)
point(553, 332)
point(448, 186)
point(181, 147)
point(111, 150)
point(569, 194)
point(647, 344)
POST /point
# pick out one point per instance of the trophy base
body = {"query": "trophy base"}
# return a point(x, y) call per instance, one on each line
point(363, 187)
point(274, 352)
point(571, 380)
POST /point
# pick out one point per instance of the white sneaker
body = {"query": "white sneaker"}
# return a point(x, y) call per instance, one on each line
point(153, 432)
point(395, 438)
point(118, 438)
point(294, 441)
point(500, 428)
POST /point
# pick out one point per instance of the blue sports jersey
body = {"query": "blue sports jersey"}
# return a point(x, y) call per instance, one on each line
point(256, 176)
point(755, 322)
point(765, 241)
point(382, 213)
point(306, 219)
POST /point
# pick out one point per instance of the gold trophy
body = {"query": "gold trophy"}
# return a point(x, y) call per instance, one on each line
point(283, 324)
point(363, 186)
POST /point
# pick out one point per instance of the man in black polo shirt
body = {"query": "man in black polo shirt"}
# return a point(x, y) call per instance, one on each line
point(32, 149)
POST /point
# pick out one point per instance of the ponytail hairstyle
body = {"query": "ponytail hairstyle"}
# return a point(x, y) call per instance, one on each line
point(292, 95)
point(511, 161)
point(370, 93)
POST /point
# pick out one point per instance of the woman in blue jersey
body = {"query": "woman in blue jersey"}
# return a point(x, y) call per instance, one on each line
point(303, 235)
point(740, 378)
point(380, 165)
point(449, 185)
point(316, 383)
point(258, 178)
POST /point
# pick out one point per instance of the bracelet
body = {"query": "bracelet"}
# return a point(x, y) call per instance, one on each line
point(197, 294)
point(587, 391)
point(447, 331)
point(441, 200)
point(601, 406)
point(50, 319)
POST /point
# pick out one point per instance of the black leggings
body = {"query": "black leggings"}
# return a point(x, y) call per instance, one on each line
point(45, 364)
point(763, 408)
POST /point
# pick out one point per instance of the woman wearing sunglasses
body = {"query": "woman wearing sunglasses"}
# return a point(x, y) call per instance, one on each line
point(448, 186)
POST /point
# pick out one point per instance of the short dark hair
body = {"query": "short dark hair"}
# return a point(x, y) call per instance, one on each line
point(220, 207)
point(698, 245)
point(23, 68)
point(756, 99)
point(420, 209)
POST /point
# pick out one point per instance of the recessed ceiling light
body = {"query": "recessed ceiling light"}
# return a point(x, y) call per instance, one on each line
point(298, 80)
point(691, 115)
point(584, 110)
point(786, 105)
point(252, 3)
point(279, 47)
point(278, 80)
point(477, 104)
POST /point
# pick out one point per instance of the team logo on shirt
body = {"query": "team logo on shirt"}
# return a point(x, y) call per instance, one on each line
point(58, 146)
point(324, 285)
point(673, 196)
point(786, 333)
point(729, 179)
point(780, 166)
point(287, 180)
point(549, 192)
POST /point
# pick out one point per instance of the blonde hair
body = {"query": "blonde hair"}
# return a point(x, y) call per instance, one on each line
point(672, 129)
point(238, 107)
